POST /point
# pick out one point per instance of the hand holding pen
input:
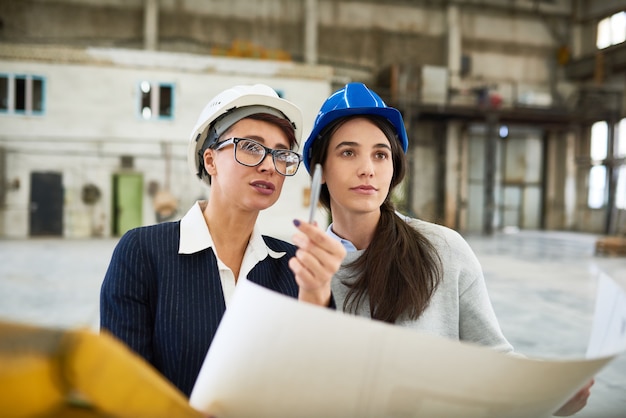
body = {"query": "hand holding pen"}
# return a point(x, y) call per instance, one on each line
point(319, 256)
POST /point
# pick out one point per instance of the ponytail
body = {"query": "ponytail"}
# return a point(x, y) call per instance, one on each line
point(399, 271)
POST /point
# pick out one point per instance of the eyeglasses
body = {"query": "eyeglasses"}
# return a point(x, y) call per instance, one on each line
point(251, 153)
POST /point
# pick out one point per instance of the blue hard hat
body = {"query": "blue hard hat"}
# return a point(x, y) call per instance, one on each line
point(353, 99)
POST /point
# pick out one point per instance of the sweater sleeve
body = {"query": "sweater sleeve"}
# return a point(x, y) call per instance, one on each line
point(477, 320)
point(125, 308)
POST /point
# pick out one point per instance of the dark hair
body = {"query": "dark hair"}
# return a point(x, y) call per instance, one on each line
point(281, 123)
point(400, 269)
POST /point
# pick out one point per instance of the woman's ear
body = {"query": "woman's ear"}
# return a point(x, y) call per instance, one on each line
point(209, 161)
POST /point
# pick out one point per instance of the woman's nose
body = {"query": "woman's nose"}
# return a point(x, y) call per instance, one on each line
point(366, 168)
point(267, 163)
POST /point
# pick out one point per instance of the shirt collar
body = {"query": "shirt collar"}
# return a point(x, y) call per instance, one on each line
point(195, 236)
point(349, 246)
point(258, 246)
point(194, 232)
point(346, 244)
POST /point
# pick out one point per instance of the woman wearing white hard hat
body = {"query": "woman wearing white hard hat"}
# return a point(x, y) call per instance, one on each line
point(168, 285)
point(399, 270)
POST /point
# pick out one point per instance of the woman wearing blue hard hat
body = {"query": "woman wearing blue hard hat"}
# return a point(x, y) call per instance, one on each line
point(398, 270)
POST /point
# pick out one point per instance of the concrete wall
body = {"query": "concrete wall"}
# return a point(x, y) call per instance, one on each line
point(91, 120)
point(509, 47)
point(500, 37)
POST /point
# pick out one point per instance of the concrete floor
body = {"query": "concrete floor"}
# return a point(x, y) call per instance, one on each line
point(543, 288)
point(542, 285)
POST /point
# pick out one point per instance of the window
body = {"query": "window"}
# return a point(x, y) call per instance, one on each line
point(597, 174)
point(22, 94)
point(620, 195)
point(4, 93)
point(156, 100)
point(621, 139)
point(598, 181)
point(599, 140)
point(597, 187)
point(611, 30)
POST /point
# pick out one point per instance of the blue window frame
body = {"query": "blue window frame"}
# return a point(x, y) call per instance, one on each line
point(22, 94)
point(156, 100)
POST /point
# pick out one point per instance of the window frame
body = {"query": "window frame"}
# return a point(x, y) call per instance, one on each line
point(34, 98)
point(154, 100)
point(597, 183)
point(607, 28)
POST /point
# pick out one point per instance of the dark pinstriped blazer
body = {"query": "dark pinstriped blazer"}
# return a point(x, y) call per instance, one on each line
point(167, 306)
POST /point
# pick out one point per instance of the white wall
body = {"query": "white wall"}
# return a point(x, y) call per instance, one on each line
point(91, 119)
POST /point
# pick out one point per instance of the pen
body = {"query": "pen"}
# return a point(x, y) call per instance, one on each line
point(316, 185)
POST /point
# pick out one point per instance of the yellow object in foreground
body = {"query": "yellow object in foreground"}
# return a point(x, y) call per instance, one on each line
point(78, 373)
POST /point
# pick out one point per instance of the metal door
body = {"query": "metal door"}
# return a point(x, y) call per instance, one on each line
point(46, 204)
point(127, 202)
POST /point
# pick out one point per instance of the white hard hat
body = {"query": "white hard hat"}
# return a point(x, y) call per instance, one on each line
point(229, 107)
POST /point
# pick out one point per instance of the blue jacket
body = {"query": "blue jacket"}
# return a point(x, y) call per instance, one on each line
point(167, 306)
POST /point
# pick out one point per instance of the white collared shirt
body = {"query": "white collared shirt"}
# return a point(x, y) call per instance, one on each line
point(195, 236)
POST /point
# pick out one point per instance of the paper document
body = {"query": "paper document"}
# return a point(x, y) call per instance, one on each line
point(275, 357)
point(608, 332)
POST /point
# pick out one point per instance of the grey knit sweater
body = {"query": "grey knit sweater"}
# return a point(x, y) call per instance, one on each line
point(460, 308)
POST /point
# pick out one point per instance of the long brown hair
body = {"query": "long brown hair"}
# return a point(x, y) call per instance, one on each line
point(400, 269)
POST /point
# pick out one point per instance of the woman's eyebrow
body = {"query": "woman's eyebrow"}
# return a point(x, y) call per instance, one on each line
point(347, 144)
point(356, 144)
point(255, 138)
point(261, 140)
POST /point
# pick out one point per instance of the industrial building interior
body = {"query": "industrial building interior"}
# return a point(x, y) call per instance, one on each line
point(515, 111)
point(513, 107)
